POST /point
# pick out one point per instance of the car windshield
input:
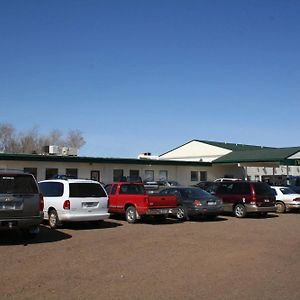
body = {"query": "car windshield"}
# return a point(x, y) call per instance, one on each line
point(287, 191)
point(17, 184)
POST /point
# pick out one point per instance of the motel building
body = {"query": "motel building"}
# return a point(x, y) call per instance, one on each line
point(194, 161)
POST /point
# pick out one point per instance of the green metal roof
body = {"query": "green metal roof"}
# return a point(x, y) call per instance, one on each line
point(83, 159)
point(233, 146)
point(262, 155)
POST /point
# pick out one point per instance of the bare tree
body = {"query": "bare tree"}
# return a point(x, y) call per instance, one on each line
point(75, 139)
point(32, 142)
point(7, 138)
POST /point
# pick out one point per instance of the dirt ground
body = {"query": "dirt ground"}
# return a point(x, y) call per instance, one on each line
point(229, 258)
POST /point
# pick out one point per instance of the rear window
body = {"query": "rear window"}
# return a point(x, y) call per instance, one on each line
point(136, 189)
point(262, 188)
point(193, 194)
point(18, 184)
point(85, 190)
point(51, 189)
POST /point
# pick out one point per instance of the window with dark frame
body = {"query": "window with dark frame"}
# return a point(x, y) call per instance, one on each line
point(32, 171)
point(51, 172)
point(117, 174)
point(194, 176)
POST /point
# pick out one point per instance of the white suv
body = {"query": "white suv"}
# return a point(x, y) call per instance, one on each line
point(73, 200)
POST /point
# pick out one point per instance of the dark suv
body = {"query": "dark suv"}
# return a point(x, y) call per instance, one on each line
point(243, 197)
point(21, 203)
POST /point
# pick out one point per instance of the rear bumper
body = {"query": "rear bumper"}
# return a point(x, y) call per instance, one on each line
point(254, 208)
point(22, 223)
point(159, 211)
point(65, 217)
point(203, 211)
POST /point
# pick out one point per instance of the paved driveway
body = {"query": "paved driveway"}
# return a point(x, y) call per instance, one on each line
point(252, 258)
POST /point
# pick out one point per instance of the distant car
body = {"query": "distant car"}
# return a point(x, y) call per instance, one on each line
point(226, 179)
point(286, 199)
point(21, 203)
point(193, 201)
point(204, 185)
point(73, 200)
point(244, 197)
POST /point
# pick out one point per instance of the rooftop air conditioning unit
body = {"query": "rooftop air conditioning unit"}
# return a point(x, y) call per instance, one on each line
point(69, 151)
point(52, 150)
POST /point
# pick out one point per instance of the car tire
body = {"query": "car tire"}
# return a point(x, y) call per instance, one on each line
point(53, 219)
point(280, 207)
point(240, 211)
point(131, 215)
point(181, 213)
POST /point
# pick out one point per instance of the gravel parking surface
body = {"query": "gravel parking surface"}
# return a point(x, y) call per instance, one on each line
point(229, 258)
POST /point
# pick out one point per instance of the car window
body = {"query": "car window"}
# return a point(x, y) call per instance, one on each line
point(225, 188)
point(18, 184)
point(193, 194)
point(241, 188)
point(287, 191)
point(137, 189)
point(275, 192)
point(51, 189)
point(86, 190)
point(262, 188)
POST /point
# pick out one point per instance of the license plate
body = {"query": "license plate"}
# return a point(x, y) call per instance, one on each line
point(267, 200)
point(10, 206)
point(211, 203)
point(89, 204)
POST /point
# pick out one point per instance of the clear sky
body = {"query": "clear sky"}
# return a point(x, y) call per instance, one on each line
point(147, 76)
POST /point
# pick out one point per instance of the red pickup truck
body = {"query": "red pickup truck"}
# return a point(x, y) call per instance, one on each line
point(130, 198)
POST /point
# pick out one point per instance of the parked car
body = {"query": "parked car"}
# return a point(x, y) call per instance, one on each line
point(193, 201)
point(130, 198)
point(204, 185)
point(245, 197)
point(286, 199)
point(73, 200)
point(293, 182)
point(21, 203)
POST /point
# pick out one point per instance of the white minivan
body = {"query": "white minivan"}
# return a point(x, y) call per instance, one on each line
point(73, 200)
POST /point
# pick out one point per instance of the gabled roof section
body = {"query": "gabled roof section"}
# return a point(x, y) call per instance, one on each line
point(233, 146)
point(262, 155)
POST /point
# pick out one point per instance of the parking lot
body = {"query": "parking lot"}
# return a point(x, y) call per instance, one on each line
point(228, 258)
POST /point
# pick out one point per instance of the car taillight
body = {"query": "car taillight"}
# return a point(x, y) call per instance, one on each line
point(197, 203)
point(41, 202)
point(297, 199)
point(66, 204)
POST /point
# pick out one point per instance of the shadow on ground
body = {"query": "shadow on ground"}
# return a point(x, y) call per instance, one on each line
point(90, 225)
point(46, 235)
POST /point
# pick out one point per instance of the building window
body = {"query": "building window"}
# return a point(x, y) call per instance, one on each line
point(95, 175)
point(203, 176)
point(149, 175)
point(163, 175)
point(32, 171)
point(194, 176)
point(134, 175)
point(117, 175)
point(72, 173)
point(51, 172)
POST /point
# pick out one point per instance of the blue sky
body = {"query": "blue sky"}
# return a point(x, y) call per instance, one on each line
point(148, 76)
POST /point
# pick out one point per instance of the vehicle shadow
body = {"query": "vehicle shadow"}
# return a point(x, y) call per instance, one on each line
point(90, 225)
point(254, 216)
point(46, 235)
point(155, 221)
point(208, 219)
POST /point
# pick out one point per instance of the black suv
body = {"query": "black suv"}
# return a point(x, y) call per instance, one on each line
point(21, 203)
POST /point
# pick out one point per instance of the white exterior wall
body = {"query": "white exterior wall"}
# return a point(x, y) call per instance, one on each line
point(182, 174)
point(196, 151)
point(256, 173)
